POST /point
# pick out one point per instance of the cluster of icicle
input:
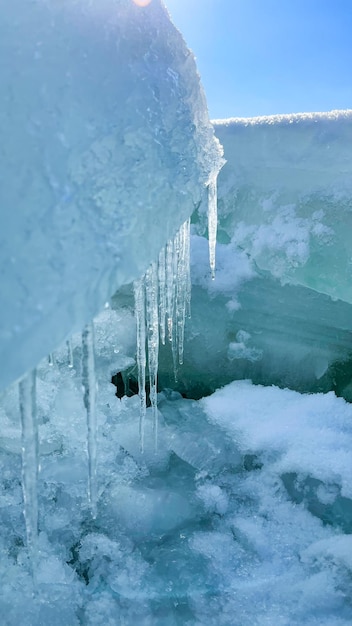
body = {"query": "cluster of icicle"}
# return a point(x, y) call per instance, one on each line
point(162, 303)
point(30, 440)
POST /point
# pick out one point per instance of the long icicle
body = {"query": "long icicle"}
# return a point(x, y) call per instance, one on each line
point(139, 303)
point(188, 268)
point(151, 283)
point(212, 221)
point(162, 294)
point(175, 311)
point(170, 287)
point(182, 286)
point(162, 302)
point(30, 461)
point(89, 398)
point(69, 353)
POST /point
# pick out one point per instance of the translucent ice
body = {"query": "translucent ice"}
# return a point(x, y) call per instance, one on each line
point(245, 324)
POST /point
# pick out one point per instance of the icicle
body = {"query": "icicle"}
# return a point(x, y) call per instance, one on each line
point(139, 303)
point(27, 396)
point(162, 294)
point(170, 280)
point(69, 353)
point(170, 287)
point(89, 398)
point(188, 268)
point(51, 359)
point(183, 285)
point(151, 284)
point(212, 221)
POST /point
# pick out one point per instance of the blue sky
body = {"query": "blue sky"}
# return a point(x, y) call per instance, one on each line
point(259, 57)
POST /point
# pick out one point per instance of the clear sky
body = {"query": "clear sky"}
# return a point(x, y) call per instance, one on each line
point(259, 57)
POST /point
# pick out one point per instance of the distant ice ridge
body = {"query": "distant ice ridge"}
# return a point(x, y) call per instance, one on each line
point(106, 149)
point(285, 196)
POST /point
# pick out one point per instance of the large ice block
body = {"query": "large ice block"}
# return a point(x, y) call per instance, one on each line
point(279, 311)
point(285, 196)
point(246, 324)
point(105, 146)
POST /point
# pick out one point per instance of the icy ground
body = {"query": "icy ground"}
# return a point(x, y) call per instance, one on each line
point(241, 518)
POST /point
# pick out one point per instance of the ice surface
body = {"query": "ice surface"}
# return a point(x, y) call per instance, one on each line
point(203, 530)
point(103, 127)
point(285, 196)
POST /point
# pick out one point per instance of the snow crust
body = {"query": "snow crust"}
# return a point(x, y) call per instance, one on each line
point(103, 129)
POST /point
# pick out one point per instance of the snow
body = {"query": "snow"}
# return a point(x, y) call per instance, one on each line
point(283, 424)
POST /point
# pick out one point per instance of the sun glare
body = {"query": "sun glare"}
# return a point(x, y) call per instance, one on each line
point(142, 3)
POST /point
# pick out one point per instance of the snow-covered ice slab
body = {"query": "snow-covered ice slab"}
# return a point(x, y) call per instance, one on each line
point(285, 196)
point(105, 146)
